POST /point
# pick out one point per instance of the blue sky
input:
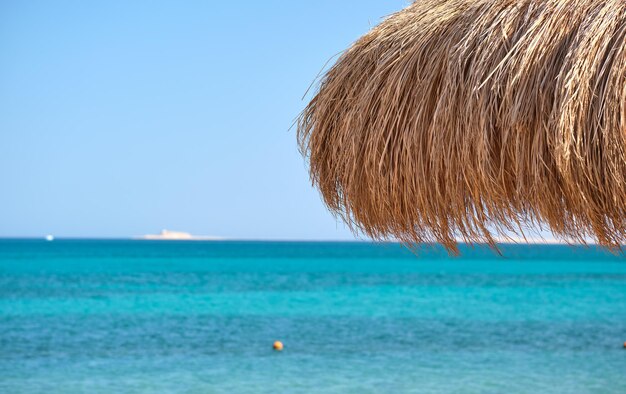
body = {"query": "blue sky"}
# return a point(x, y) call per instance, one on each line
point(120, 118)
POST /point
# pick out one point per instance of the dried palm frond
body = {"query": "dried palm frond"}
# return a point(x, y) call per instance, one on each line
point(469, 119)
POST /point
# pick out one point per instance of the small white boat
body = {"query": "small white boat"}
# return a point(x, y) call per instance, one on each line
point(49, 238)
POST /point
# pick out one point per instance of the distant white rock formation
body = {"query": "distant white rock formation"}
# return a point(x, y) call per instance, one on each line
point(167, 235)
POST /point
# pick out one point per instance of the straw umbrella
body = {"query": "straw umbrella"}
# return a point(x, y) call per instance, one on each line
point(471, 119)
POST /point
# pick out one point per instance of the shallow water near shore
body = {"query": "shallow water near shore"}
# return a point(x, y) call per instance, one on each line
point(200, 317)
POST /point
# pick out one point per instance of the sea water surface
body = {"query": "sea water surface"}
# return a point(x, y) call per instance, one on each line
point(201, 317)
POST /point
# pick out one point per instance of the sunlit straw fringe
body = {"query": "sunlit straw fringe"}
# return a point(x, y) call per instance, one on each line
point(467, 119)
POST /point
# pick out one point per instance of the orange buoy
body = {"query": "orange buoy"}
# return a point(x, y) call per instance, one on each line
point(624, 345)
point(278, 346)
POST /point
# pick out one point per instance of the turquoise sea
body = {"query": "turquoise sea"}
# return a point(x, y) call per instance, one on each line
point(81, 316)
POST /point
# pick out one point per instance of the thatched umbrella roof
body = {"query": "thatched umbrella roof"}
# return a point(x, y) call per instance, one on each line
point(471, 118)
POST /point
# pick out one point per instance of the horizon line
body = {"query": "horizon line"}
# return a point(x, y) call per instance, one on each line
point(514, 241)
